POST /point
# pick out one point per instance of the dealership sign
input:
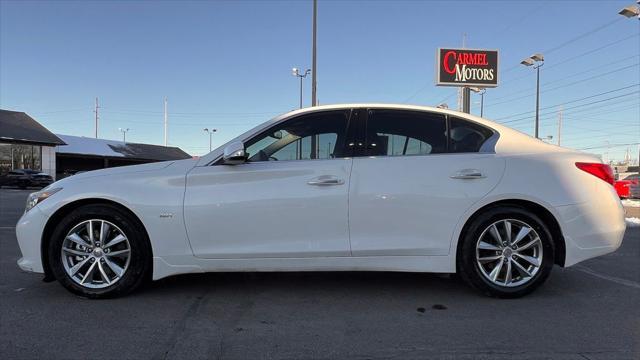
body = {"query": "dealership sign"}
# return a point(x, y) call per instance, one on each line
point(467, 67)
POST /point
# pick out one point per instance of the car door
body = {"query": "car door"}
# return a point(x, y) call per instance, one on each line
point(290, 199)
point(412, 182)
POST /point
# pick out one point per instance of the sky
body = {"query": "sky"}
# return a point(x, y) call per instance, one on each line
point(227, 64)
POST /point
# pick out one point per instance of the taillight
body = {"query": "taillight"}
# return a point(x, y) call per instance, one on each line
point(602, 171)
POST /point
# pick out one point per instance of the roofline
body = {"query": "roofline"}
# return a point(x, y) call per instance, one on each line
point(94, 156)
point(112, 142)
point(377, 105)
point(31, 142)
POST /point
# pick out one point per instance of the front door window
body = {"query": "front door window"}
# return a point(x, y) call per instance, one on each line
point(313, 136)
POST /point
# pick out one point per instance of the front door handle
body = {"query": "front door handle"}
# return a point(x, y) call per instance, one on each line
point(325, 180)
point(468, 174)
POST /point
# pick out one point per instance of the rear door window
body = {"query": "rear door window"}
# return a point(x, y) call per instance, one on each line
point(404, 133)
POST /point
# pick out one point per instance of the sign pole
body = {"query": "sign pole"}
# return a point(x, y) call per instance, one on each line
point(466, 100)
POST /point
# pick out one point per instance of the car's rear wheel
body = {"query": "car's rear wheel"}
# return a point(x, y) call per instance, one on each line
point(99, 251)
point(506, 252)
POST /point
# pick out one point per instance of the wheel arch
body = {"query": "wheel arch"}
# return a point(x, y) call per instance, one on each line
point(63, 211)
point(539, 210)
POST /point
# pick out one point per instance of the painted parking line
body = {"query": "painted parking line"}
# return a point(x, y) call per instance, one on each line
point(614, 279)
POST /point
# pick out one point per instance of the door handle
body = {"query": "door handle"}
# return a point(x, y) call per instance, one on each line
point(468, 174)
point(325, 180)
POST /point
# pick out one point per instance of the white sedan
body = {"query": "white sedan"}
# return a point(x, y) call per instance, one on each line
point(360, 187)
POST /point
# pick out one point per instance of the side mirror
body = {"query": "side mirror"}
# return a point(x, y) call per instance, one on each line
point(234, 154)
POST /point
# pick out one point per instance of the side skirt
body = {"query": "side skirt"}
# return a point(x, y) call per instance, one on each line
point(174, 265)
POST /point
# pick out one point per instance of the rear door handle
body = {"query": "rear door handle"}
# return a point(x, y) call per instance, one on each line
point(325, 180)
point(468, 174)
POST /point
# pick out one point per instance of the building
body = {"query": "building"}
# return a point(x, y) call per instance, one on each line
point(84, 154)
point(25, 144)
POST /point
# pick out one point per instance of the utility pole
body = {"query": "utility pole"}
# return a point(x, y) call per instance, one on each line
point(314, 69)
point(166, 121)
point(559, 125)
point(97, 117)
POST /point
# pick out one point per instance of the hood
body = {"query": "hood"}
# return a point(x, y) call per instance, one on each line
point(124, 170)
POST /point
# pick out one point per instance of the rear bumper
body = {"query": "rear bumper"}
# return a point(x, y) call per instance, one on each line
point(29, 234)
point(593, 228)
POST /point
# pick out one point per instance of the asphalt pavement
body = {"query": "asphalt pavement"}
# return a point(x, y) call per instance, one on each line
point(590, 311)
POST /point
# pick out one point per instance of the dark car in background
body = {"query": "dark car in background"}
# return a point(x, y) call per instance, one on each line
point(24, 178)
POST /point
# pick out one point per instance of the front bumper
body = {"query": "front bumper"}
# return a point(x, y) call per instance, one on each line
point(29, 234)
point(593, 228)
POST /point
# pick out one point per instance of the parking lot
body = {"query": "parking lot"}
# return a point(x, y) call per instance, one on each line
point(590, 311)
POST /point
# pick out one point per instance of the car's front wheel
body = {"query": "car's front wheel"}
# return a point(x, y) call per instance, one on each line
point(506, 252)
point(99, 251)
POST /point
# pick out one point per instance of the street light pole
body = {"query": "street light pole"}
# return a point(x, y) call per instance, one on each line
point(631, 11)
point(536, 60)
point(301, 91)
point(314, 71)
point(210, 132)
point(296, 72)
point(537, 67)
point(124, 134)
point(480, 91)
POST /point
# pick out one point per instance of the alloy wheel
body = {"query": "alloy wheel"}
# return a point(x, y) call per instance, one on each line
point(96, 253)
point(509, 253)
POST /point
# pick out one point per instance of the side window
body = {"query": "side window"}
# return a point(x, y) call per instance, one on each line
point(467, 136)
point(313, 136)
point(395, 132)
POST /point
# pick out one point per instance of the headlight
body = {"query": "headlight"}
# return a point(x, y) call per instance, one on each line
point(38, 197)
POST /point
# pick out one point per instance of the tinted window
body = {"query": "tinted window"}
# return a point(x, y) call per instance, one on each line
point(467, 136)
point(313, 136)
point(394, 132)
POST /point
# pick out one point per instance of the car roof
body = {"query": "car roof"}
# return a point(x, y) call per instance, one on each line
point(313, 109)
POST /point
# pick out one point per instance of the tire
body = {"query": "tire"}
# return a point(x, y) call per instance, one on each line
point(479, 246)
point(126, 263)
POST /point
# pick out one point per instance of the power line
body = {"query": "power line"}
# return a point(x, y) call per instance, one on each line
point(566, 77)
point(561, 62)
point(565, 85)
point(577, 106)
point(610, 146)
point(583, 35)
point(195, 113)
point(571, 101)
point(572, 40)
